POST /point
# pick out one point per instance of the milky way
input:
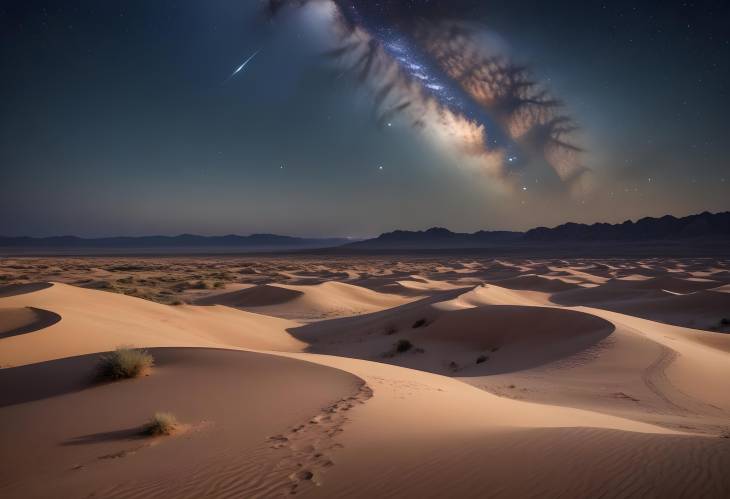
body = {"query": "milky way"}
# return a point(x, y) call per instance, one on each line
point(423, 62)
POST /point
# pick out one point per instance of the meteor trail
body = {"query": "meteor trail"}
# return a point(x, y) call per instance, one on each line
point(239, 68)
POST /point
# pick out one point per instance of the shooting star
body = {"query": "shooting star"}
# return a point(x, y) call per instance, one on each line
point(240, 68)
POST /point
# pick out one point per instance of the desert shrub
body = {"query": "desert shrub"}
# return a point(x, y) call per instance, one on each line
point(403, 346)
point(725, 321)
point(201, 284)
point(162, 423)
point(124, 363)
point(419, 323)
point(482, 358)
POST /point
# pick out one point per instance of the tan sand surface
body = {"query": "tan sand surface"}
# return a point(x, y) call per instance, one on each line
point(368, 377)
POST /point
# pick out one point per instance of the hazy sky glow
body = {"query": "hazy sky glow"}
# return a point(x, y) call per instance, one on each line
point(125, 117)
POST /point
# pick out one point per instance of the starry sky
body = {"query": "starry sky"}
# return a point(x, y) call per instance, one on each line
point(126, 117)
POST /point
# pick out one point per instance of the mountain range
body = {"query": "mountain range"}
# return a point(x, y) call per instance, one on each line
point(704, 226)
point(667, 228)
point(189, 241)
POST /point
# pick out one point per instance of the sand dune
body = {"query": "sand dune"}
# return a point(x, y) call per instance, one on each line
point(77, 438)
point(702, 309)
point(19, 289)
point(502, 338)
point(15, 321)
point(309, 302)
point(257, 296)
point(536, 283)
point(518, 388)
point(97, 321)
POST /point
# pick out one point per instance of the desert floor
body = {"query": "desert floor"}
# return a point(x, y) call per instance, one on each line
point(396, 376)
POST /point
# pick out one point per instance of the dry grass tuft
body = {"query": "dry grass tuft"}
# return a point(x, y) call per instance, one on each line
point(162, 423)
point(124, 362)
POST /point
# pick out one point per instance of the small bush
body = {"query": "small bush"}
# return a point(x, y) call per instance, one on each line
point(201, 284)
point(162, 423)
point(482, 358)
point(419, 323)
point(725, 321)
point(124, 363)
point(403, 346)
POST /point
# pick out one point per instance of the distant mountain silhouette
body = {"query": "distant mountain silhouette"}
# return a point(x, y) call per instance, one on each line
point(252, 242)
point(703, 225)
point(436, 237)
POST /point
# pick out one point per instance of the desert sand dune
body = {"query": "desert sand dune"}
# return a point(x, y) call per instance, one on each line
point(97, 321)
point(306, 302)
point(387, 285)
point(499, 392)
point(536, 283)
point(256, 296)
point(230, 402)
point(15, 321)
point(483, 339)
point(19, 289)
point(703, 308)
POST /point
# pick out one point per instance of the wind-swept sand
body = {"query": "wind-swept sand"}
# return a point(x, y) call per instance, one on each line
point(305, 302)
point(519, 378)
point(66, 436)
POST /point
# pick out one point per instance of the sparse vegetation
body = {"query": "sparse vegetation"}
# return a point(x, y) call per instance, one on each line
point(403, 346)
point(201, 284)
point(419, 323)
point(123, 363)
point(453, 366)
point(482, 358)
point(162, 423)
point(725, 321)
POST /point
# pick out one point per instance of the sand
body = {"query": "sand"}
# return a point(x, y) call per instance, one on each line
point(550, 378)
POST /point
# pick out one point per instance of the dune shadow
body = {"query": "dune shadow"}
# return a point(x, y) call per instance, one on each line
point(42, 320)
point(134, 433)
point(257, 296)
point(21, 289)
point(43, 380)
point(322, 331)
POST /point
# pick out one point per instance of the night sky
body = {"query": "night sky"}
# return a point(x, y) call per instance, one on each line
point(126, 117)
